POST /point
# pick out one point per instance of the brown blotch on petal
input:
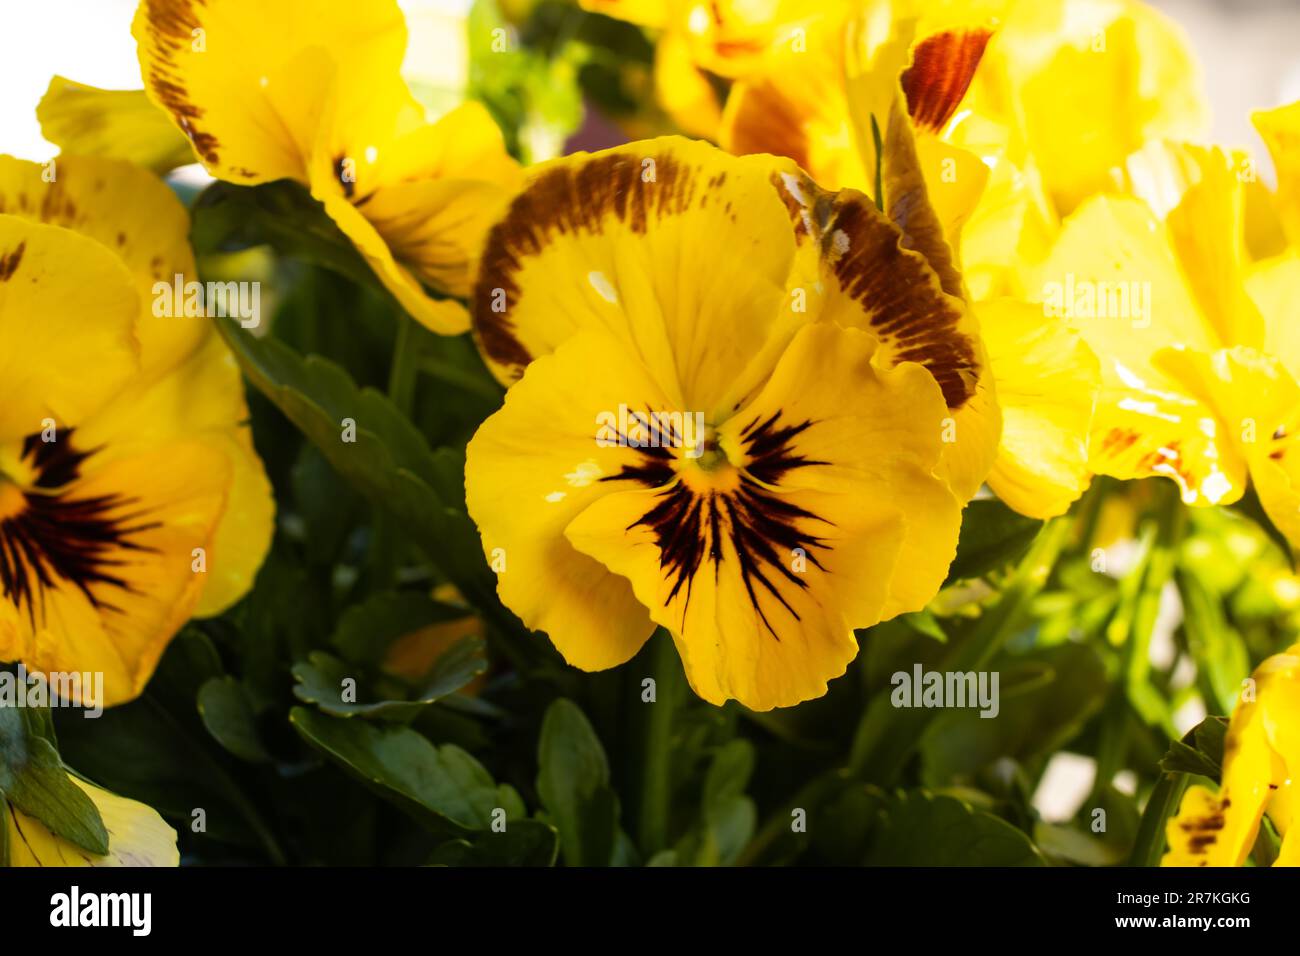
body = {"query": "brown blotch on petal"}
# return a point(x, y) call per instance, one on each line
point(9, 261)
point(171, 24)
point(62, 540)
point(1118, 440)
point(895, 287)
point(569, 199)
point(692, 529)
point(907, 203)
point(941, 72)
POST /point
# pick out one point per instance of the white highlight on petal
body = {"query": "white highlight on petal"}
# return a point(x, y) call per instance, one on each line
point(604, 288)
point(698, 20)
point(792, 186)
point(1215, 486)
point(584, 474)
point(555, 496)
point(1146, 408)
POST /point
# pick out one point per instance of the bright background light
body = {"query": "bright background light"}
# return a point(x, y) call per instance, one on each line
point(90, 41)
point(1247, 49)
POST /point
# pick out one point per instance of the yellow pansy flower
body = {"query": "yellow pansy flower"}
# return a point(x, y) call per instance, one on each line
point(700, 45)
point(1198, 381)
point(1072, 87)
point(312, 91)
point(137, 836)
point(1261, 755)
point(900, 72)
point(731, 397)
point(131, 497)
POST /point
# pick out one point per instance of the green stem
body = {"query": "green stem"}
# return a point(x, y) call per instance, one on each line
point(887, 735)
point(401, 392)
point(1132, 629)
point(656, 725)
point(878, 141)
point(777, 826)
point(1149, 846)
point(401, 373)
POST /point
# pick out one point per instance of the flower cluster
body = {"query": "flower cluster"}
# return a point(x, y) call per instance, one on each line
point(743, 378)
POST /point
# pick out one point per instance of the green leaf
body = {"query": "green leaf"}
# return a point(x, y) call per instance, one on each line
point(522, 843)
point(321, 681)
point(227, 713)
point(329, 509)
point(34, 779)
point(157, 750)
point(1045, 696)
point(919, 829)
point(1079, 843)
point(534, 97)
point(282, 214)
point(1200, 751)
point(1249, 505)
point(389, 462)
point(1222, 660)
point(729, 816)
point(365, 630)
point(992, 536)
point(573, 782)
point(443, 788)
point(924, 622)
point(728, 774)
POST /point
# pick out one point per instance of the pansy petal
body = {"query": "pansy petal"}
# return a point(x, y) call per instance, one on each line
point(98, 561)
point(437, 194)
point(1194, 833)
point(866, 278)
point(137, 836)
point(201, 400)
point(1048, 381)
point(684, 92)
point(244, 79)
point(678, 247)
point(113, 124)
point(416, 198)
point(1258, 402)
point(646, 13)
point(798, 107)
point(444, 316)
point(1274, 285)
point(1008, 233)
point(762, 568)
point(1220, 830)
point(1086, 82)
point(1114, 278)
point(733, 38)
point(1280, 130)
point(535, 465)
point(131, 212)
point(1199, 193)
point(67, 340)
